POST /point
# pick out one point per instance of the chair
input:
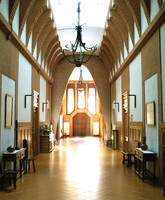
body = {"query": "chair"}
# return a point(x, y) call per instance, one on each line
point(8, 173)
point(26, 159)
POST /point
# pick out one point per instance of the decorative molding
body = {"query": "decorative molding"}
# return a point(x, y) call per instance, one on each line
point(24, 124)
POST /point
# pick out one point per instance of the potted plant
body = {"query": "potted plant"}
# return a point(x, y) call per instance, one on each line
point(45, 129)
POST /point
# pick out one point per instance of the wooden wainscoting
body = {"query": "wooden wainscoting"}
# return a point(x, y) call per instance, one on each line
point(120, 135)
point(25, 132)
point(135, 135)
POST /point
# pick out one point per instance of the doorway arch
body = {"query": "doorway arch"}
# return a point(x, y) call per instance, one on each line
point(101, 79)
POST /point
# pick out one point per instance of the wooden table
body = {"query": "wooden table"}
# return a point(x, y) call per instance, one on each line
point(141, 157)
point(15, 156)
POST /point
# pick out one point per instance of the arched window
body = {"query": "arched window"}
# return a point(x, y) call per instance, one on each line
point(70, 101)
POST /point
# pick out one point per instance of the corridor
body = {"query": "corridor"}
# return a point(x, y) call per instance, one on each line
point(82, 169)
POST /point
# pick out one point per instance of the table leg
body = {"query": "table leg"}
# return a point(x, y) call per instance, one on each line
point(135, 161)
point(139, 167)
point(129, 161)
point(143, 170)
point(154, 169)
point(20, 168)
point(15, 168)
point(123, 159)
point(4, 164)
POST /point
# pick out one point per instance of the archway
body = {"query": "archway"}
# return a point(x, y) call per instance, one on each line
point(100, 77)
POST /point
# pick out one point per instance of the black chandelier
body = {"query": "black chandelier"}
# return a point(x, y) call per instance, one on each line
point(79, 49)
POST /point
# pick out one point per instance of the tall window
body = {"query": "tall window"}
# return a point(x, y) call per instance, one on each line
point(70, 101)
point(81, 100)
point(92, 101)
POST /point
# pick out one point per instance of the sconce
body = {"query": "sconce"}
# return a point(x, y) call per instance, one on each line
point(117, 104)
point(133, 95)
point(43, 105)
point(27, 95)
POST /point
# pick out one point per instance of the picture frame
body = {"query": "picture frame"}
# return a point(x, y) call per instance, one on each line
point(8, 110)
point(150, 110)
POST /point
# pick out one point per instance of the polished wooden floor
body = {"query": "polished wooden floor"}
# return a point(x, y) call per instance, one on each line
point(82, 169)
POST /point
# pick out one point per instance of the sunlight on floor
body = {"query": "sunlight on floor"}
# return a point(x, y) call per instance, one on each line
point(82, 169)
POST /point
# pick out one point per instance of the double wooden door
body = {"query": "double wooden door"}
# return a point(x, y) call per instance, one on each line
point(81, 125)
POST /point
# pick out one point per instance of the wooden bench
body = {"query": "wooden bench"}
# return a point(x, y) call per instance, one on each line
point(129, 155)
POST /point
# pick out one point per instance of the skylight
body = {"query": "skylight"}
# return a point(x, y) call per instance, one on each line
point(93, 17)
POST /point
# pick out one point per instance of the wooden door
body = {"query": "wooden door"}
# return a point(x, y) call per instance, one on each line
point(81, 125)
point(36, 132)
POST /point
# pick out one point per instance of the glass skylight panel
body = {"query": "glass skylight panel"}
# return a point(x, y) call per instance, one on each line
point(92, 18)
point(90, 2)
point(93, 12)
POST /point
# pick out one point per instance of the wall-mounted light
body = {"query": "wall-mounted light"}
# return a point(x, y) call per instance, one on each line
point(27, 95)
point(43, 105)
point(133, 95)
point(117, 104)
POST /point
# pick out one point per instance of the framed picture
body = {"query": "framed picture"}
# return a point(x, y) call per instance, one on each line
point(8, 110)
point(150, 109)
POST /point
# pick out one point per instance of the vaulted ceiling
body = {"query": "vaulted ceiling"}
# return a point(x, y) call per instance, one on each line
point(123, 17)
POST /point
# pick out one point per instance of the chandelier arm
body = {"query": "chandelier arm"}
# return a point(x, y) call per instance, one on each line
point(74, 57)
point(89, 56)
point(68, 58)
point(79, 44)
point(90, 48)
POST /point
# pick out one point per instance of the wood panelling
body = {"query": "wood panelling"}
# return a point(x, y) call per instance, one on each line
point(120, 135)
point(135, 135)
point(125, 80)
point(151, 57)
point(35, 80)
point(113, 91)
point(25, 133)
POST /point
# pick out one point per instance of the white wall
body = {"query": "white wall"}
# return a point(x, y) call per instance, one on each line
point(30, 44)
point(7, 134)
point(125, 52)
point(151, 94)
point(24, 88)
point(35, 52)
point(144, 23)
point(42, 99)
point(39, 58)
point(130, 42)
point(135, 86)
point(118, 100)
point(136, 34)
point(162, 39)
point(15, 24)
point(154, 9)
point(121, 57)
point(23, 36)
point(4, 9)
